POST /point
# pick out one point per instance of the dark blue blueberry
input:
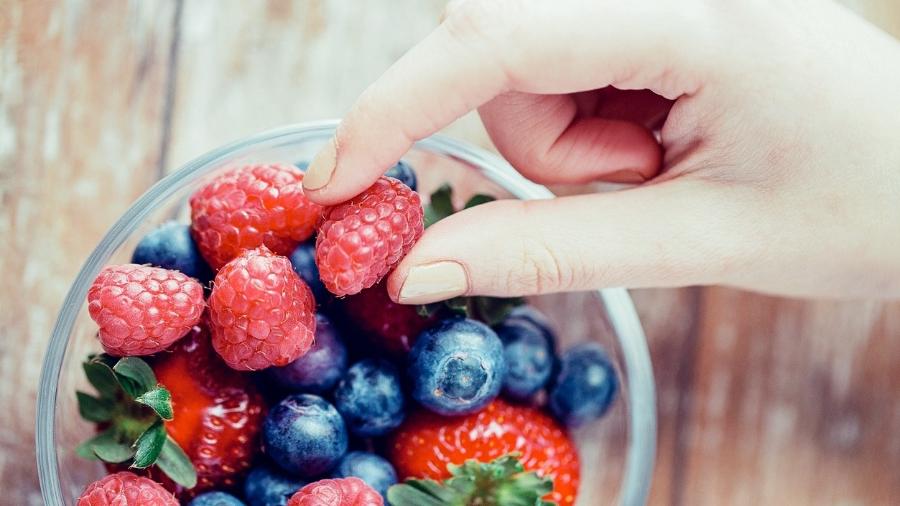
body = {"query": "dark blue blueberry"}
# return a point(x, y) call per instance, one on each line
point(216, 499)
point(302, 165)
point(531, 315)
point(266, 486)
point(456, 367)
point(303, 259)
point(305, 435)
point(320, 369)
point(171, 247)
point(585, 387)
point(529, 358)
point(370, 398)
point(404, 173)
point(373, 469)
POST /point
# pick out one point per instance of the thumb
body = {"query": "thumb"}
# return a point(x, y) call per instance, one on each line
point(675, 233)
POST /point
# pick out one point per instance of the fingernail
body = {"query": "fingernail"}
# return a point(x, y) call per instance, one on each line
point(433, 282)
point(322, 167)
point(627, 176)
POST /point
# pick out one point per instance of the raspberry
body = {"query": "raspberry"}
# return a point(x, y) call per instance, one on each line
point(384, 322)
point(142, 310)
point(261, 312)
point(126, 489)
point(362, 239)
point(337, 492)
point(252, 206)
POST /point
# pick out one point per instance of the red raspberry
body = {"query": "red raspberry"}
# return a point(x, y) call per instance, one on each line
point(126, 489)
point(337, 492)
point(362, 239)
point(142, 310)
point(261, 312)
point(252, 206)
point(384, 322)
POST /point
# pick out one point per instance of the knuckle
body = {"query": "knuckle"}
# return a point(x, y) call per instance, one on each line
point(540, 268)
point(480, 19)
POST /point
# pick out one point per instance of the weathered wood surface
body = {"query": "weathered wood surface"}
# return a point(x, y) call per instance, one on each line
point(761, 400)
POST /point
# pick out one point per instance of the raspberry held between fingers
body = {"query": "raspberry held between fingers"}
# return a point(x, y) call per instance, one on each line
point(361, 240)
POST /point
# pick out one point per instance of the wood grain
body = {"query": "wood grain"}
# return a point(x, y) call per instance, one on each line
point(761, 400)
point(82, 87)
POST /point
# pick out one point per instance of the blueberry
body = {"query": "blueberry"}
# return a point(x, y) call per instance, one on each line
point(266, 486)
point(302, 165)
point(171, 246)
point(305, 435)
point(529, 358)
point(456, 367)
point(320, 369)
point(585, 387)
point(216, 499)
point(373, 469)
point(370, 398)
point(303, 259)
point(531, 315)
point(404, 173)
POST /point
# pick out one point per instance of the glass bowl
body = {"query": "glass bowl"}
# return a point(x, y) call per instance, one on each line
point(617, 452)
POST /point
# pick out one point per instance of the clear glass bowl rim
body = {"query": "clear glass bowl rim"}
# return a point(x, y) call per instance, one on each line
point(641, 393)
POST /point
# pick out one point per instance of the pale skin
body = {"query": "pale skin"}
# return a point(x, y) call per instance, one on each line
point(778, 168)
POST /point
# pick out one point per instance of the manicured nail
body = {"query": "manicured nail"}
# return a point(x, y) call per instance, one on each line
point(322, 167)
point(626, 176)
point(433, 282)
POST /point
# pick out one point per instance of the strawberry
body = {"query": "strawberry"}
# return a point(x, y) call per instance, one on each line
point(503, 482)
point(261, 312)
point(384, 322)
point(362, 239)
point(141, 309)
point(427, 443)
point(250, 206)
point(126, 489)
point(337, 492)
point(218, 413)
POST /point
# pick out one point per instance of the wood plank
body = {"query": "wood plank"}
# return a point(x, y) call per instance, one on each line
point(81, 104)
point(796, 403)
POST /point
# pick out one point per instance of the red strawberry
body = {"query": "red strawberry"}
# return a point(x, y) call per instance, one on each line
point(142, 310)
point(383, 321)
point(362, 239)
point(261, 312)
point(426, 443)
point(218, 413)
point(252, 206)
point(126, 489)
point(337, 492)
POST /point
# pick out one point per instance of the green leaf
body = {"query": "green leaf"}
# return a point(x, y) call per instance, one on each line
point(421, 493)
point(502, 482)
point(135, 376)
point(106, 446)
point(440, 206)
point(101, 378)
point(478, 199)
point(493, 310)
point(149, 445)
point(176, 464)
point(93, 409)
point(159, 400)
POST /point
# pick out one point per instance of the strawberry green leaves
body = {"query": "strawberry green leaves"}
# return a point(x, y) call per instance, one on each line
point(134, 407)
point(149, 445)
point(176, 464)
point(491, 310)
point(501, 482)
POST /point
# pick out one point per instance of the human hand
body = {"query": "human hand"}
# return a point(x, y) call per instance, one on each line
point(778, 168)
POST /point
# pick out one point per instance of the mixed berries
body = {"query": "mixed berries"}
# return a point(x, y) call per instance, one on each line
point(255, 358)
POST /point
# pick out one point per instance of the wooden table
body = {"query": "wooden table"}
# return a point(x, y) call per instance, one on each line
point(761, 400)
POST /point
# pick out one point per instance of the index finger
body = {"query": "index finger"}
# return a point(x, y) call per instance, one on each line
point(442, 78)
